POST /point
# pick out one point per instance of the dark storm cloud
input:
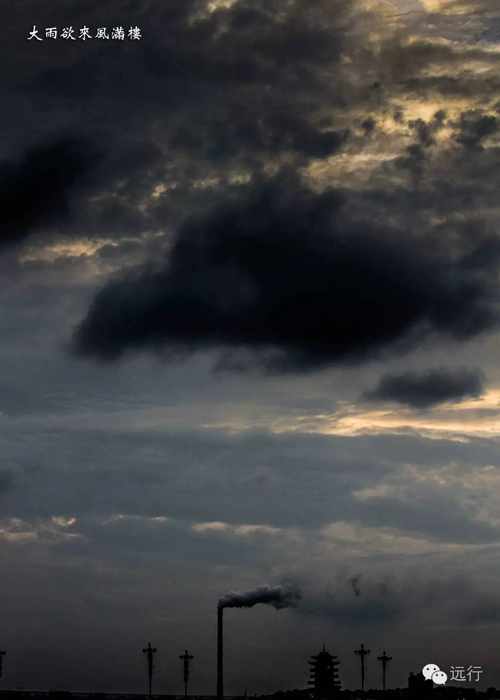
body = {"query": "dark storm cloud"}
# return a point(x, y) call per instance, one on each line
point(221, 74)
point(475, 128)
point(369, 125)
point(428, 388)
point(408, 59)
point(290, 276)
point(426, 131)
point(252, 42)
point(270, 134)
point(36, 190)
point(201, 94)
point(478, 87)
point(418, 153)
point(214, 92)
point(414, 162)
point(430, 60)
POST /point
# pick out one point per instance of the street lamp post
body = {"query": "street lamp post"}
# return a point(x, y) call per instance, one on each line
point(186, 658)
point(385, 660)
point(362, 653)
point(150, 651)
point(2, 654)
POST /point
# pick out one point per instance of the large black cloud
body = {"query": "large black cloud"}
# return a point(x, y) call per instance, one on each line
point(428, 388)
point(35, 190)
point(293, 277)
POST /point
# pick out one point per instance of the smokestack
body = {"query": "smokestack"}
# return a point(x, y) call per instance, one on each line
point(220, 672)
point(278, 596)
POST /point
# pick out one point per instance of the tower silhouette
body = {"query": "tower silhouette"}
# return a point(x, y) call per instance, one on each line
point(324, 675)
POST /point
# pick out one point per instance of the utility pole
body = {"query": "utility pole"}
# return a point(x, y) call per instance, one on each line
point(362, 653)
point(2, 654)
point(186, 659)
point(150, 651)
point(385, 660)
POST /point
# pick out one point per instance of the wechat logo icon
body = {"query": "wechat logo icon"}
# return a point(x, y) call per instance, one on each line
point(433, 672)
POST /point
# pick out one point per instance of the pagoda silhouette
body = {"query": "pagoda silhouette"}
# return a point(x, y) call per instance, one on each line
point(324, 675)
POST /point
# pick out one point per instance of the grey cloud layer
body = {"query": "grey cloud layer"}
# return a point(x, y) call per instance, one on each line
point(429, 388)
point(194, 477)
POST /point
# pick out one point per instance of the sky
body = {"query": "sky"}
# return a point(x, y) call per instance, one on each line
point(249, 335)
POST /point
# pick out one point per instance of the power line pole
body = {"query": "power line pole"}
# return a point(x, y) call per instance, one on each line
point(385, 660)
point(362, 653)
point(150, 651)
point(186, 658)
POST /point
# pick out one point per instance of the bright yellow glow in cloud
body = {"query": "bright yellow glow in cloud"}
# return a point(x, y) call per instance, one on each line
point(62, 250)
point(340, 536)
point(159, 190)
point(448, 6)
point(51, 531)
point(380, 421)
point(237, 530)
point(207, 527)
point(63, 522)
point(454, 421)
point(218, 4)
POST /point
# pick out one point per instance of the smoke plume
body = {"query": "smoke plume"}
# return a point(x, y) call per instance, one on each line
point(354, 581)
point(277, 596)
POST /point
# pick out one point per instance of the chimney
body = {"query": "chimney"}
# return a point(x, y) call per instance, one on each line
point(220, 680)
